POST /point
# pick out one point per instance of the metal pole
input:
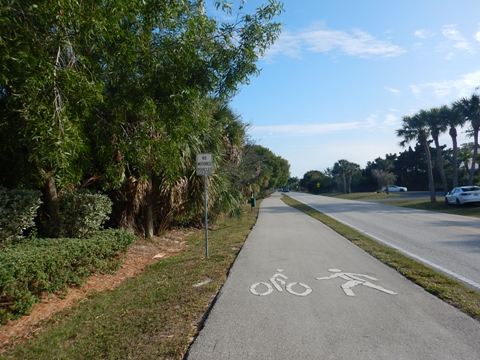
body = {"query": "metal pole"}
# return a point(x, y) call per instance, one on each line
point(206, 215)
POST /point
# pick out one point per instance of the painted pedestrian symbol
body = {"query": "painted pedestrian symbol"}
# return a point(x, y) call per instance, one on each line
point(354, 280)
point(279, 282)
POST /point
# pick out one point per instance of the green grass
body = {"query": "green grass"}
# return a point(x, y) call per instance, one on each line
point(152, 316)
point(440, 206)
point(422, 203)
point(367, 196)
point(447, 289)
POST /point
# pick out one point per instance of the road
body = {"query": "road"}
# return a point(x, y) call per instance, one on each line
point(449, 243)
point(363, 320)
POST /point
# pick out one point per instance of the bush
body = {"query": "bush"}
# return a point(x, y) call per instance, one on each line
point(30, 268)
point(18, 209)
point(82, 213)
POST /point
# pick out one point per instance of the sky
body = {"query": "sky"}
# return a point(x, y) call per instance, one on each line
point(343, 73)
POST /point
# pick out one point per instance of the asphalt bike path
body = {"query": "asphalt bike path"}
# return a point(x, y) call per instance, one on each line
point(449, 243)
point(298, 290)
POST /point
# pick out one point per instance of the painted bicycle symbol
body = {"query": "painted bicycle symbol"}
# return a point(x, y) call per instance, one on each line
point(279, 282)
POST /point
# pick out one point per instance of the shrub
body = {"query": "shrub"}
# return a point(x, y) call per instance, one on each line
point(82, 213)
point(30, 268)
point(18, 209)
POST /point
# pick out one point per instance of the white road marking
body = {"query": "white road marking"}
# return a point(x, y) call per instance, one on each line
point(353, 280)
point(307, 290)
point(279, 282)
point(406, 252)
point(255, 292)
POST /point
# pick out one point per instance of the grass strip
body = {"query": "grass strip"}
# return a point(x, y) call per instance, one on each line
point(422, 203)
point(440, 206)
point(152, 316)
point(451, 291)
point(364, 196)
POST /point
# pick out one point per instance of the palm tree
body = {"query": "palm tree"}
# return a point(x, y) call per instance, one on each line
point(437, 125)
point(345, 170)
point(415, 128)
point(452, 119)
point(469, 108)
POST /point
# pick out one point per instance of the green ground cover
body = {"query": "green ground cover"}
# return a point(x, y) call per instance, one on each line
point(152, 316)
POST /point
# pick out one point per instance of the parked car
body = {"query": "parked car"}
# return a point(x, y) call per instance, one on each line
point(462, 195)
point(394, 188)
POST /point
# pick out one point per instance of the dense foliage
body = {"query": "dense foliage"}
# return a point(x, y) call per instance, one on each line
point(82, 213)
point(35, 266)
point(18, 209)
point(119, 96)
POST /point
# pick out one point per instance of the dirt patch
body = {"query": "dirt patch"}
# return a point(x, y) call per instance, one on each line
point(141, 254)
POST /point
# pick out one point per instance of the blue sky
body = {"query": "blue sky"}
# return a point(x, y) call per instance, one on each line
point(343, 73)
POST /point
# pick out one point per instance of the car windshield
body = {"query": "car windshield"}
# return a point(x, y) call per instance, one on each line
point(471, 188)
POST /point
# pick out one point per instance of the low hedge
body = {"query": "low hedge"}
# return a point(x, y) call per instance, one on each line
point(18, 209)
point(31, 268)
point(82, 213)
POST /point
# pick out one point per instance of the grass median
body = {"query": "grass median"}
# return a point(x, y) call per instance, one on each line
point(152, 316)
point(445, 288)
point(421, 203)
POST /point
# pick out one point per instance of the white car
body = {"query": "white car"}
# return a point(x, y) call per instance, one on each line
point(394, 188)
point(462, 195)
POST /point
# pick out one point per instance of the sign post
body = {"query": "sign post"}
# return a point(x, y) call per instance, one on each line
point(205, 168)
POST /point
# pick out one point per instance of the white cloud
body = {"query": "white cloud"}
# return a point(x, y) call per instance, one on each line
point(373, 121)
point(321, 40)
point(307, 129)
point(392, 90)
point(477, 36)
point(451, 33)
point(391, 120)
point(423, 34)
point(462, 86)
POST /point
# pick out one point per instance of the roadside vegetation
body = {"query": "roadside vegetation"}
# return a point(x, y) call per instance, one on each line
point(104, 107)
point(152, 316)
point(445, 288)
point(425, 164)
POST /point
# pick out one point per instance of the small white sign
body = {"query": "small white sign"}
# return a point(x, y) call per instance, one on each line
point(204, 164)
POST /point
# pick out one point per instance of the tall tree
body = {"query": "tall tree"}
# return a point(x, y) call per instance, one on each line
point(469, 108)
point(437, 123)
point(453, 119)
point(49, 91)
point(345, 170)
point(415, 128)
point(123, 92)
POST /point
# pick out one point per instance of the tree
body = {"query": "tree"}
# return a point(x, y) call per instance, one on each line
point(293, 183)
point(437, 122)
point(383, 177)
point(344, 170)
point(48, 92)
point(469, 108)
point(121, 95)
point(260, 170)
point(415, 128)
point(453, 118)
point(316, 182)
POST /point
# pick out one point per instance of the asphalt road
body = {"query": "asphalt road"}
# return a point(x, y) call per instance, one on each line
point(450, 243)
point(260, 315)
